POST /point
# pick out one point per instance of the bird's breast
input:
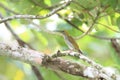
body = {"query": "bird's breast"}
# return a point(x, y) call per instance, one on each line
point(69, 44)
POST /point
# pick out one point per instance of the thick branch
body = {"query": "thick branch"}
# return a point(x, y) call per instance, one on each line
point(38, 58)
point(20, 53)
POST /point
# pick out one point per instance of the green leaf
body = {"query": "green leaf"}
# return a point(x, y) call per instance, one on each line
point(48, 2)
point(118, 22)
point(84, 4)
point(110, 3)
point(76, 22)
point(55, 1)
point(24, 6)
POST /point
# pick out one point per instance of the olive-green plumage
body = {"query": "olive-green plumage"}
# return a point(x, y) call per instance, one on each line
point(70, 41)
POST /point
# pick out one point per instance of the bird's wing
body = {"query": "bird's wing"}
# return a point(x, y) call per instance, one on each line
point(75, 45)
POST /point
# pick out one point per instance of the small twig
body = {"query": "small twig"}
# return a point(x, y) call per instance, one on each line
point(116, 46)
point(37, 73)
point(59, 75)
point(105, 8)
point(107, 14)
point(38, 26)
point(94, 36)
point(7, 9)
point(90, 28)
point(104, 38)
point(84, 9)
point(73, 25)
point(36, 16)
point(108, 27)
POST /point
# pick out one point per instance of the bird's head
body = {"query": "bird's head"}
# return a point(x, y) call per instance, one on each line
point(64, 32)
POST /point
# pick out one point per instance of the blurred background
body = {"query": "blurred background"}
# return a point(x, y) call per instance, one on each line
point(76, 18)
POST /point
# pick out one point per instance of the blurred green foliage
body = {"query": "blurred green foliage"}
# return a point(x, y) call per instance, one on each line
point(80, 13)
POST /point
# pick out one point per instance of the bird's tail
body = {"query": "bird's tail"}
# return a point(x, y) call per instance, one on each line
point(80, 51)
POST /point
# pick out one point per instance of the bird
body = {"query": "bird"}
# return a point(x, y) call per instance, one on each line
point(70, 42)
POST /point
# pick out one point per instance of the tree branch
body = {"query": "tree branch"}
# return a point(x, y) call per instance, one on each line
point(91, 71)
point(116, 45)
point(73, 25)
point(20, 53)
point(7, 9)
point(94, 36)
point(38, 58)
point(37, 16)
point(23, 44)
point(90, 28)
point(108, 27)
